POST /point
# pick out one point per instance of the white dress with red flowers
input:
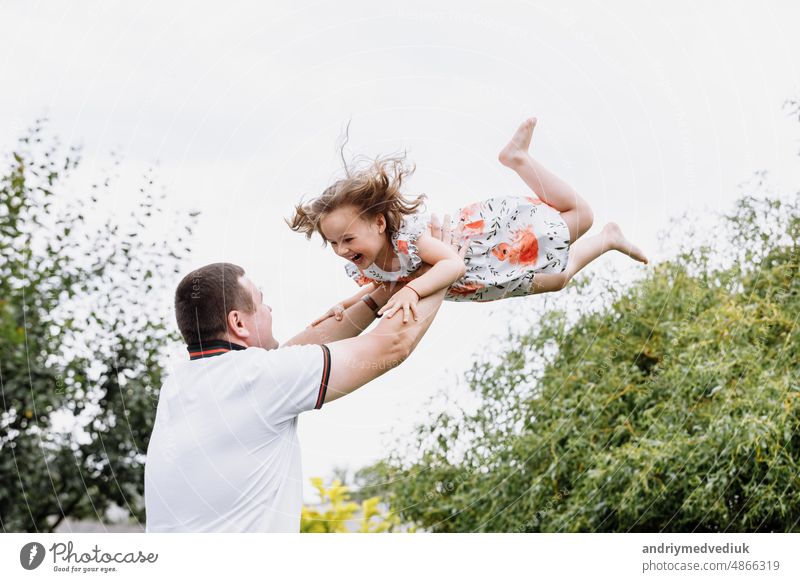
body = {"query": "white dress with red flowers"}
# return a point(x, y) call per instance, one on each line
point(510, 238)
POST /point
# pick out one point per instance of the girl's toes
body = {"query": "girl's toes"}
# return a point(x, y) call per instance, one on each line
point(636, 253)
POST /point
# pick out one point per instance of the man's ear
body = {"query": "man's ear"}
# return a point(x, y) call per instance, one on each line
point(236, 325)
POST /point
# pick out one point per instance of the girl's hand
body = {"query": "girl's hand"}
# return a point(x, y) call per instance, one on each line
point(336, 311)
point(405, 299)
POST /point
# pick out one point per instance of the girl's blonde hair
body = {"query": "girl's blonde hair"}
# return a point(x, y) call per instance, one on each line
point(373, 190)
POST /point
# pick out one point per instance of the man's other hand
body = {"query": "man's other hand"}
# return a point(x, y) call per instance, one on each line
point(445, 234)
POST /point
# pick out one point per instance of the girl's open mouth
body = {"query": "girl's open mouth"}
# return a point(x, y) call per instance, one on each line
point(357, 257)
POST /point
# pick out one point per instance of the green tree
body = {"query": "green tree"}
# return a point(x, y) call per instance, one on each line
point(81, 336)
point(675, 406)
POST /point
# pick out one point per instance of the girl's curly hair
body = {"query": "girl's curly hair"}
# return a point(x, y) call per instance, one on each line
point(372, 190)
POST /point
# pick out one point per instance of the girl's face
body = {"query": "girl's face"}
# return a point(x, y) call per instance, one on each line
point(359, 240)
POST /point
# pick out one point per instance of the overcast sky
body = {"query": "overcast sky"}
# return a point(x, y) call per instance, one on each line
point(647, 108)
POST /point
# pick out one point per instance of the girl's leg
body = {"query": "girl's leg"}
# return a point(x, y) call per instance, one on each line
point(584, 252)
point(547, 186)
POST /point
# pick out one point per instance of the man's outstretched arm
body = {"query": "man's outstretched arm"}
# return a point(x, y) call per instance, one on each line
point(359, 360)
point(355, 320)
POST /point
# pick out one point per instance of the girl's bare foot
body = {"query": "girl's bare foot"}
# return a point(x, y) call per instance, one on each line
point(517, 148)
point(616, 240)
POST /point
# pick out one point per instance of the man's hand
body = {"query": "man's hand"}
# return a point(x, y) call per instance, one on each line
point(445, 234)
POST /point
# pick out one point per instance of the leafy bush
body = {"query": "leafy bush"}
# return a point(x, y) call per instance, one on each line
point(674, 407)
point(339, 511)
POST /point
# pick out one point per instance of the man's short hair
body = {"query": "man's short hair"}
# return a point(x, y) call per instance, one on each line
point(205, 297)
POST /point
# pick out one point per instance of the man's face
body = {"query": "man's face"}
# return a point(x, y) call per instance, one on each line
point(259, 323)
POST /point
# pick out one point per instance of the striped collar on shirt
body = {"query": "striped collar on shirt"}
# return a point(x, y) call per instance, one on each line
point(211, 348)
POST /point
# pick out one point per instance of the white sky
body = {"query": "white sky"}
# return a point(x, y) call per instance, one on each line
point(647, 108)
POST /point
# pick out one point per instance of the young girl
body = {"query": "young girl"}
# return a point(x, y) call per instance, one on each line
point(516, 245)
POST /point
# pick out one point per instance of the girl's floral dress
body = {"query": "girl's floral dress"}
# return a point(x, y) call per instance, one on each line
point(510, 239)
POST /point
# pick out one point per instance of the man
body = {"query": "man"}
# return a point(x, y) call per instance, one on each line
point(224, 454)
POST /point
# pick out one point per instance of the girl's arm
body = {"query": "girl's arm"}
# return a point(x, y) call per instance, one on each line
point(447, 267)
point(359, 317)
point(337, 310)
point(350, 301)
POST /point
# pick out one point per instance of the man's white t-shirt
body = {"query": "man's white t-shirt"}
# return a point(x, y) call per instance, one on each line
point(224, 454)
